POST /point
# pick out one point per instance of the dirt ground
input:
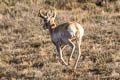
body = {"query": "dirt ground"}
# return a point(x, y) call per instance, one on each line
point(27, 53)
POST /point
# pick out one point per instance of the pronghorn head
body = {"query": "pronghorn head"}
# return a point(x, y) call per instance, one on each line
point(48, 18)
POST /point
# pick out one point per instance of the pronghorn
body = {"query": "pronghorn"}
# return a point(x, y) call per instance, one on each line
point(63, 34)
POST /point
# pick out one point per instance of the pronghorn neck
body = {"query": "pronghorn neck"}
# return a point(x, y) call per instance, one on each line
point(52, 26)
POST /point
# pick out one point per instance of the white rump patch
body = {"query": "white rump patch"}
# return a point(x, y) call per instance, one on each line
point(81, 29)
point(72, 30)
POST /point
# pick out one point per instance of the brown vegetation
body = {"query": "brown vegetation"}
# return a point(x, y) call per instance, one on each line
point(26, 51)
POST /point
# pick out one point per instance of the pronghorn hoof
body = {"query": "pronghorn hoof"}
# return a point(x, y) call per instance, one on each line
point(65, 64)
point(74, 68)
point(69, 62)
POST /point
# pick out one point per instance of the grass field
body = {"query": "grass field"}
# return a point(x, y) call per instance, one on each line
point(27, 53)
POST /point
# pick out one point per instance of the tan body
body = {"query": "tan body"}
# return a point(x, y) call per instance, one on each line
point(61, 33)
point(64, 34)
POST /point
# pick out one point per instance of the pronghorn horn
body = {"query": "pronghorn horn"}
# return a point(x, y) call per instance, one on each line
point(48, 13)
point(53, 12)
point(40, 14)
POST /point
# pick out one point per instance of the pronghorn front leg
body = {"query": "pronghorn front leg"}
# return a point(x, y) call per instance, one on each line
point(60, 54)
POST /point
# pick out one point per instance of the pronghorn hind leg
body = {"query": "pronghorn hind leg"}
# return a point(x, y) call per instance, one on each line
point(72, 45)
point(64, 47)
point(79, 52)
point(59, 50)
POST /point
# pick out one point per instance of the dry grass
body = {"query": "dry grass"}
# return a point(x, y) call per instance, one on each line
point(27, 53)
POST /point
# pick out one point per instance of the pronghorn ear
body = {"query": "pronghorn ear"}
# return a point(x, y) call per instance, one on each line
point(53, 12)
